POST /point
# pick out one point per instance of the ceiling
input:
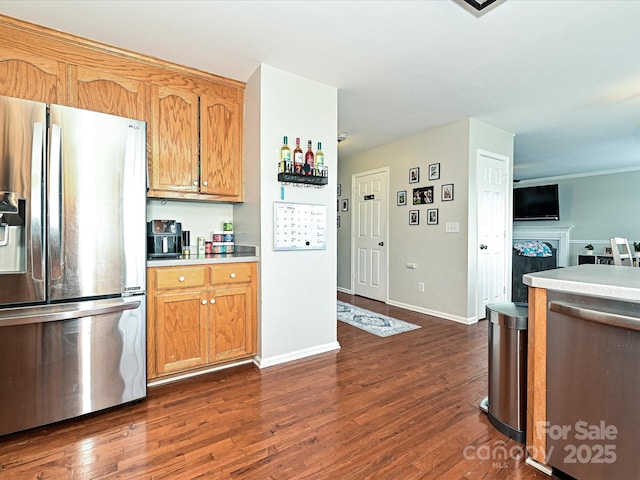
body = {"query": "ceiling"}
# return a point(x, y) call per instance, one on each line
point(563, 76)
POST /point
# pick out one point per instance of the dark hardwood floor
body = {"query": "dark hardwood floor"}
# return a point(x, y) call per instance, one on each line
point(402, 407)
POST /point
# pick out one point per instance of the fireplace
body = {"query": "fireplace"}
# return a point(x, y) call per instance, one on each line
point(558, 237)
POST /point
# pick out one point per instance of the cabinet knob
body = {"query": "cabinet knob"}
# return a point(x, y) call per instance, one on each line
point(181, 279)
point(205, 183)
point(213, 300)
point(233, 275)
point(195, 183)
point(204, 302)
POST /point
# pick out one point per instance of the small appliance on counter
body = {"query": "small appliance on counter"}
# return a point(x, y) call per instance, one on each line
point(164, 239)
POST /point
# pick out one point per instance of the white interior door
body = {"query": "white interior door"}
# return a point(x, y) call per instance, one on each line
point(369, 230)
point(492, 231)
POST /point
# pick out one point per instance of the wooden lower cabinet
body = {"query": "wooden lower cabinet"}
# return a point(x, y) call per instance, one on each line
point(200, 316)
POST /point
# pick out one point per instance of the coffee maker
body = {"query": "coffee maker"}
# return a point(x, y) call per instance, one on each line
point(164, 239)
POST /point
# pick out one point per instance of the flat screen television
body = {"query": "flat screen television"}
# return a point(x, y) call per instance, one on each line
point(536, 203)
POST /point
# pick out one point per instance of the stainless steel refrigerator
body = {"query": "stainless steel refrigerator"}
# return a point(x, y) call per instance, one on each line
point(72, 262)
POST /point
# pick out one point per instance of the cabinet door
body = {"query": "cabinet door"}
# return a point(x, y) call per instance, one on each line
point(32, 78)
point(221, 137)
point(174, 119)
point(181, 331)
point(105, 92)
point(230, 320)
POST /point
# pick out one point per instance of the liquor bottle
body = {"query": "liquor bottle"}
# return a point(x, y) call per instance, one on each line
point(308, 160)
point(320, 161)
point(285, 157)
point(298, 160)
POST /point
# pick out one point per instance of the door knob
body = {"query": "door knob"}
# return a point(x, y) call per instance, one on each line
point(212, 301)
point(381, 244)
point(204, 302)
point(483, 246)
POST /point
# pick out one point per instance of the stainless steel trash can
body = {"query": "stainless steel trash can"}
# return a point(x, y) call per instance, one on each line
point(507, 409)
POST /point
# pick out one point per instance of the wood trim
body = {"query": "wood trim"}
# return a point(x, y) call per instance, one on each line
point(537, 374)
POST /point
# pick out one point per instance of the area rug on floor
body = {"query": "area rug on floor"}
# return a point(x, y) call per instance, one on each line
point(372, 322)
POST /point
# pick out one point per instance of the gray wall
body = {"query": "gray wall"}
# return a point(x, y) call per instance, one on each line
point(445, 261)
point(597, 207)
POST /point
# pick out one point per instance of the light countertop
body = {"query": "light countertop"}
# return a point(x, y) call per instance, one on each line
point(609, 281)
point(240, 254)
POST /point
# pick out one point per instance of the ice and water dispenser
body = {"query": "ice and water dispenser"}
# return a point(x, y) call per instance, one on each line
point(12, 233)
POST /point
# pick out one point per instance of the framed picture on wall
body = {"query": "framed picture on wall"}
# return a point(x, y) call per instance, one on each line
point(432, 216)
point(414, 175)
point(423, 195)
point(345, 204)
point(434, 171)
point(447, 192)
point(339, 189)
point(401, 198)
point(338, 221)
point(414, 217)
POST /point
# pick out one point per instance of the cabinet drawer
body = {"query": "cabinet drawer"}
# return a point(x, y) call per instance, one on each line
point(231, 273)
point(178, 277)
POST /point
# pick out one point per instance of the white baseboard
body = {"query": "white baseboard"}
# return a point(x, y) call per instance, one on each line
point(345, 290)
point(434, 313)
point(297, 355)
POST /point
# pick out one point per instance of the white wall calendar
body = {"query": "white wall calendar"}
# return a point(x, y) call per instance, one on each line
point(299, 226)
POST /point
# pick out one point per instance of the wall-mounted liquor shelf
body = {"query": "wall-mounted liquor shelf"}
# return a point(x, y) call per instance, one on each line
point(302, 179)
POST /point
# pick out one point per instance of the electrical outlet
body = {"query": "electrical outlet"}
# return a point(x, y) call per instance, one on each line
point(421, 286)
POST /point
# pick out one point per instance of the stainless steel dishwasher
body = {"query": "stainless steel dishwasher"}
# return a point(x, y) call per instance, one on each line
point(593, 387)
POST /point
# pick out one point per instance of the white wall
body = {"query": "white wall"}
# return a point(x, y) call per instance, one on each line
point(297, 302)
point(597, 207)
point(445, 261)
point(200, 218)
point(488, 139)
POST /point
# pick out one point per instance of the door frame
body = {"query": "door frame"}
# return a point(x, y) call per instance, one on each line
point(352, 230)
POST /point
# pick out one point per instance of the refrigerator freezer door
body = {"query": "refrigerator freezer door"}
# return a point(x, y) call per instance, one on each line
point(22, 137)
point(97, 204)
point(61, 361)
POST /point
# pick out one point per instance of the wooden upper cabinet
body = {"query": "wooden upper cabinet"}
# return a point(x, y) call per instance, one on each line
point(32, 78)
point(105, 92)
point(174, 127)
point(195, 120)
point(221, 146)
point(197, 141)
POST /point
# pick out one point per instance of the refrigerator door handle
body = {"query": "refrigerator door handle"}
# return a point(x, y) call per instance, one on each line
point(37, 164)
point(596, 316)
point(4, 228)
point(54, 313)
point(55, 227)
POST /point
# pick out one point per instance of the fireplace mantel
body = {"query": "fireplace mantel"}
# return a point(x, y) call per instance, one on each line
point(547, 234)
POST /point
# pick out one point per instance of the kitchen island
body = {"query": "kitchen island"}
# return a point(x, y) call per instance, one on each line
point(201, 313)
point(583, 380)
